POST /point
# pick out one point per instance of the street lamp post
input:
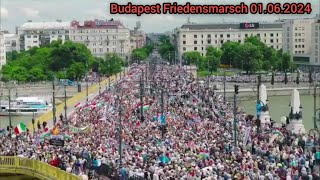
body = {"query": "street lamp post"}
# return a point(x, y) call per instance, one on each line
point(33, 121)
point(10, 120)
point(54, 102)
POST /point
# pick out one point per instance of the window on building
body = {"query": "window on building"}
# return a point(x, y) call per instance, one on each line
point(195, 42)
point(183, 42)
point(288, 29)
point(316, 53)
point(277, 34)
point(201, 42)
point(228, 35)
point(265, 41)
point(67, 31)
point(271, 46)
point(277, 47)
point(107, 49)
point(271, 40)
point(100, 50)
point(35, 36)
point(316, 34)
point(195, 36)
point(299, 46)
point(302, 28)
point(302, 45)
point(316, 59)
point(201, 35)
point(316, 46)
point(202, 48)
point(221, 35)
point(239, 35)
point(215, 35)
point(221, 41)
point(184, 36)
point(288, 34)
point(296, 40)
point(296, 28)
point(277, 40)
point(60, 36)
point(299, 52)
point(246, 35)
point(209, 41)
point(80, 37)
point(239, 41)
point(209, 36)
point(271, 34)
point(302, 52)
point(28, 36)
point(184, 48)
point(295, 34)
point(296, 46)
point(302, 40)
point(265, 34)
point(296, 52)
point(216, 41)
point(195, 48)
point(35, 41)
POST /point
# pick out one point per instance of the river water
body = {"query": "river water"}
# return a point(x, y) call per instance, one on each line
point(279, 106)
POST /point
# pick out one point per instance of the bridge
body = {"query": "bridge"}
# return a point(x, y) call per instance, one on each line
point(32, 168)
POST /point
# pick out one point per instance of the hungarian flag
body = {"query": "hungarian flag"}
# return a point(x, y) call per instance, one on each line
point(20, 128)
point(77, 105)
point(278, 132)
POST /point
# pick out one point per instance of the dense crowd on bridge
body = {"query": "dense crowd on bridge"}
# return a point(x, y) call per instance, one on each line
point(195, 141)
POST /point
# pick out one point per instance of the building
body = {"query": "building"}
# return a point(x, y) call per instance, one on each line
point(137, 39)
point(315, 43)
point(297, 40)
point(33, 34)
point(2, 50)
point(11, 42)
point(196, 37)
point(102, 36)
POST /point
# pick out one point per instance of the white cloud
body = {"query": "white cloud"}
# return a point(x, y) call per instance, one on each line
point(29, 12)
point(4, 12)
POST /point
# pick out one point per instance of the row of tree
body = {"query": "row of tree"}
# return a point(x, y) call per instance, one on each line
point(140, 54)
point(60, 60)
point(251, 56)
point(166, 49)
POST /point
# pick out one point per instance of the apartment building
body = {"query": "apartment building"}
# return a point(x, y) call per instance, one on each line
point(315, 43)
point(33, 34)
point(137, 39)
point(196, 37)
point(102, 36)
point(297, 40)
point(11, 42)
point(2, 50)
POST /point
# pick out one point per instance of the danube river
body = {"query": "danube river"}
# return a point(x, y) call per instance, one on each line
point(279, 106)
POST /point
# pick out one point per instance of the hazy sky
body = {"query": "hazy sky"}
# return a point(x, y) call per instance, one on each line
point(16, 12)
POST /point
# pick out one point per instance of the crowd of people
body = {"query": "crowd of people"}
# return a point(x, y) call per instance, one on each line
point(174, 133)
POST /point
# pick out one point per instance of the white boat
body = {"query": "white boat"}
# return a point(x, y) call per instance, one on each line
point(25, 106)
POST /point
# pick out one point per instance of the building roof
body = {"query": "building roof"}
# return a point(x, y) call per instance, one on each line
point(10, 35)
point(228, 26)
point(102, 24)
point(46, 25)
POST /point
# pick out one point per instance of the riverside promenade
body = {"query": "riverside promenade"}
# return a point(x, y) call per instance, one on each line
point(93, 91)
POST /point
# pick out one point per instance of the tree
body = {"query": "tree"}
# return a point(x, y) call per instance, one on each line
point(111, 64)
point(230, 53)
point(166, 49)
point(272, 78)
point(140, 54)
point(251, 56)
point(42, 63)
point(213, 57)
point(192, 57)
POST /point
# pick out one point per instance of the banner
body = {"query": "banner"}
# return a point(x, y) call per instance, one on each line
point(75, 130)
point(246, 135)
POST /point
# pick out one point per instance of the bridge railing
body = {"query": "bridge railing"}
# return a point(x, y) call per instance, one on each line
point(33, 168)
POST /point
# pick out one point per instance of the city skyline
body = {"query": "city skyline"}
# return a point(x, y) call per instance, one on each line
point(15, 13)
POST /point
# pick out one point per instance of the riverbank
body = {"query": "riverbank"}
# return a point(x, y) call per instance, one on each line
point(251, 91)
